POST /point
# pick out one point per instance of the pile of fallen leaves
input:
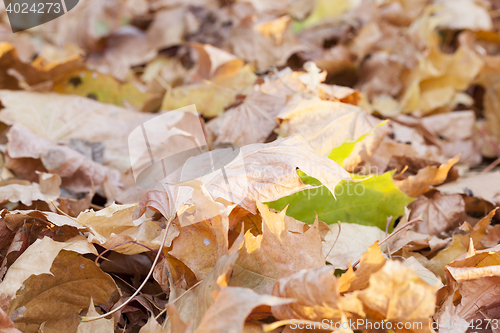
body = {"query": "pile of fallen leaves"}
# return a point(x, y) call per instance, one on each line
point(364, 189)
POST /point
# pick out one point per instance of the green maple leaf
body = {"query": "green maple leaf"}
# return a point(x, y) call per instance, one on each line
point(368, 202)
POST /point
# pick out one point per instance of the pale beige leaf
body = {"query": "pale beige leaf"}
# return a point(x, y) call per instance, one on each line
point(78, 172)
point(476, 185)
point(353, 241)
point(152, 326)
point(250, 122)
point(60, 117)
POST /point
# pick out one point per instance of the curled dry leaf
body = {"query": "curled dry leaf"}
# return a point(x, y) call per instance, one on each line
point(425, 178)
point(116, 224)
point(277, 253)
point(475, 277)
point(46, 190)
point(193, 304)
point(28, 75)
point(396, 293)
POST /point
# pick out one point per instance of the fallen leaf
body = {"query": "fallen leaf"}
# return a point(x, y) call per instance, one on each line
point(429, 176)
point(476, 185)
point(377, 195)
point(345, 244)
point(440, 213)
point(37, 259)
point(59, 118)
point(325, 124)
point(232, 306)
point(318, 297)
point(396, 293)
point(116, 224)
point(275, 254)
point(73, 280)
point(78, 173)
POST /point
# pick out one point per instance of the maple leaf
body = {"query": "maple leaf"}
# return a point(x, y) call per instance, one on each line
point(277, 253)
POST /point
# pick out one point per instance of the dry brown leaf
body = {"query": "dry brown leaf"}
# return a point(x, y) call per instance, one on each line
point(72, 280)
point(438, 263)
point(250, 122)
point(475, 277)
point(196, 301)
point(371, 262)
point(440, 213)
point(425, 178)
point(318, 297)
point(27, 75)
point(265, 44)
point(231, 307)
point(221, 77)
point(37, 259)
point(277, 253)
